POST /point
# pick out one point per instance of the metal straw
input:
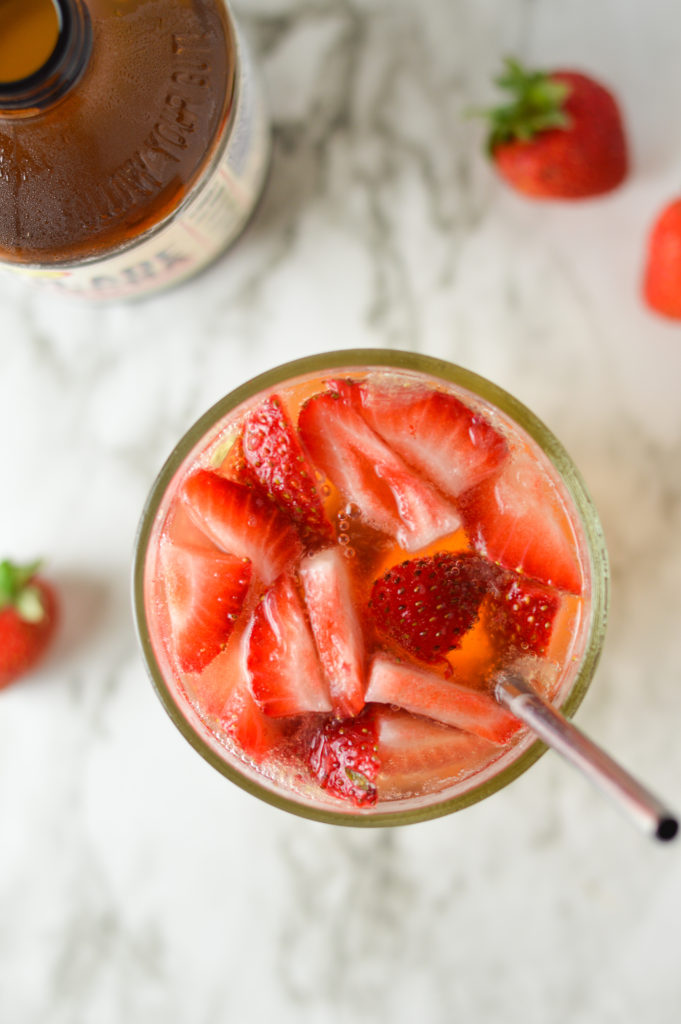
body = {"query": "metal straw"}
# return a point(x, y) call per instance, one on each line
point(650, 814)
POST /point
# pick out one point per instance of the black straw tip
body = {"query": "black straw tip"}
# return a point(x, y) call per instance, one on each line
point(667, 828)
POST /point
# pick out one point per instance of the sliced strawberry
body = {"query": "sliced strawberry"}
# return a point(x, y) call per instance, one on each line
point(342, 757)
point(179, 528)
point(445, 440)
point(518, 520)
point(282, 667)
point(222, 695)
point(417, 754)
point(205, 591)
point(242, 522)
point(522, 613)
point(336, 627)
point(428, 604)
point(425, 693)
point(390, 496)
point(275, 457)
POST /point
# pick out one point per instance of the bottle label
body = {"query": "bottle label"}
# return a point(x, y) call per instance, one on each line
point(216, 212)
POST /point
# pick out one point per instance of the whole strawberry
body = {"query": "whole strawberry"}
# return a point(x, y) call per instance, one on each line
point(28, 616)
point(662, 281)
point(561, 135)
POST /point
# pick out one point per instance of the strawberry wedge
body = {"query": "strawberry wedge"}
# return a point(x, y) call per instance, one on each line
point(275, 457)
point(446, 441)
point(222, 693)
point(425, 693)
point(521, 614)
point(518, 520)
point(282, 668)
point(205, 590)
point(242, 522)
point(390, 496)
point(336, 628)
point(342, 758)
point(417, 754)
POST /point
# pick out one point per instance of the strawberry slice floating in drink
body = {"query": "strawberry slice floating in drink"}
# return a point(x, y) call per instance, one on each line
point(417, 754)
point(275, 457)
point(205, 592)
point(425, 693)
point(389, 495)
point(342, 757)
point(242, 522)
point(282, 667)
point(428, 604)
point(449, 443)
point(518, 520)
point(221, 692)
point(337, 630)
point(522, 614)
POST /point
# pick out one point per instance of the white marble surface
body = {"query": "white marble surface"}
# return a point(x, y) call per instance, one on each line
point(136, 884)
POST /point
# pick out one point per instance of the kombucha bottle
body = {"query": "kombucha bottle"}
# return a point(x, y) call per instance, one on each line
point(133, 141)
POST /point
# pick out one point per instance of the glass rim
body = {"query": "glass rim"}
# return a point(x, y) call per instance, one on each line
point(381, 816)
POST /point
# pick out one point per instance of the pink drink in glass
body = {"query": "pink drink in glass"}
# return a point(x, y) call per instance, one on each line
point(336, 560)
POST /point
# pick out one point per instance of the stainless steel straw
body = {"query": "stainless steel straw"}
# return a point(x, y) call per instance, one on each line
point(650, 814)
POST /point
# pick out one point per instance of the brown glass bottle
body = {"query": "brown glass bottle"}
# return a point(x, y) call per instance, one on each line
point(121, 131)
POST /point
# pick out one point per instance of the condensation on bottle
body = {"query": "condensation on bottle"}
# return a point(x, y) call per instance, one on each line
point(134, 143)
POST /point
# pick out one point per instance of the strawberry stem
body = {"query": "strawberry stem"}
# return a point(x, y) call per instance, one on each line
point(17, 592)
point(537, 103)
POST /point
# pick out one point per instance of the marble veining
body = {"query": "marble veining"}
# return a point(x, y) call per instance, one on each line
point(135, 883)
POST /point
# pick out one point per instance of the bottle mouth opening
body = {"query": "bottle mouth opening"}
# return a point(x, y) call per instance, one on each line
point(61, 67)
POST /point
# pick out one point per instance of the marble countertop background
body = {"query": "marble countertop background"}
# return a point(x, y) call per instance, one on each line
point(136, 884)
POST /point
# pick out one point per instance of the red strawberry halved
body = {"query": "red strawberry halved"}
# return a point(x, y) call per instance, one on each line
point(342, 757)
point(417, 754)
point(425, 693)
point(518, 520)
point(205, 591)
point(242, 522)
point(336, 627)
point(449, 443)
point(222, 694)
point(390, 496)
point(282, 668)
point(522, 613)
point(428, 604)
point(275, 457)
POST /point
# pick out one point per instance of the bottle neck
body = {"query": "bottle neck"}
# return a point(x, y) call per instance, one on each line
point(57, 39)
